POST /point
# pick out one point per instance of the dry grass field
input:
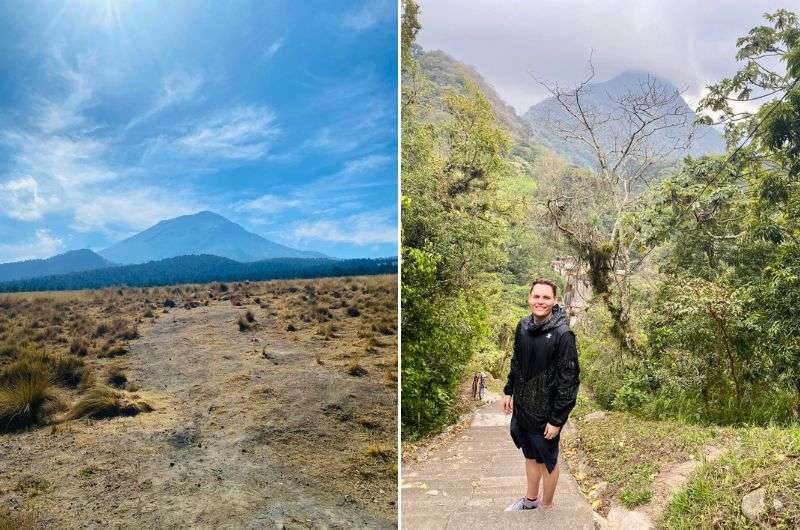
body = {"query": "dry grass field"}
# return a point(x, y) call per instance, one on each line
point(240, 405)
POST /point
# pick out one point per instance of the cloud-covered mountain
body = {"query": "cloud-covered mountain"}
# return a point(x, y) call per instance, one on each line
point(600, 99)
point(200, 233)
point(72, 261)
point(446, 72)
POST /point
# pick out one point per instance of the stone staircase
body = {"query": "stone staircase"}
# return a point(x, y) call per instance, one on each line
point(470, 481)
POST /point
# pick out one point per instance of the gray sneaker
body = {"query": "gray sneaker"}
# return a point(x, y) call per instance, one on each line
point(523, 504)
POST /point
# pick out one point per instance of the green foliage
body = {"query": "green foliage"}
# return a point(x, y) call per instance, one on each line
point(463, 235)
point(721, 320)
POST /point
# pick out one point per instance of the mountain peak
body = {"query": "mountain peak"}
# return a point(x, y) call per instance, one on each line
point(204, 232)
point(70, 261)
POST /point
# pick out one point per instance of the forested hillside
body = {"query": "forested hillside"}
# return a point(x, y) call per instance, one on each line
point(199, 269)
point(693, 265)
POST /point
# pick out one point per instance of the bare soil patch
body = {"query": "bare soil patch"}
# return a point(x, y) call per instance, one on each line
point(268, 426)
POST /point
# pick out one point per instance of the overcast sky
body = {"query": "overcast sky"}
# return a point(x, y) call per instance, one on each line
point(689, 42)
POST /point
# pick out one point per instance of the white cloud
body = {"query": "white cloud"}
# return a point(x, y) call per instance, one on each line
point(133, 208)
point(240, 133)
point(685, 41)
point(365, 164)
point(326, 140)
point(67, 113)
point(20, 199)
point(369, 121)
point(273, 48)
point(43, 246)
point(269, 204)
point(360, 229)
point(369, 15)
point(177, 88)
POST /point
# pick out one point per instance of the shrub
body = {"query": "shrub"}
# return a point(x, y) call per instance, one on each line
point(101, 330)
point(100, 402)
point(79, 347)
point(64, 369)
point(243, 325)
point(250, 316)
point(357, 370)
point(353, 311)
point(116, 377)
point(23, 400)
point(112, 349)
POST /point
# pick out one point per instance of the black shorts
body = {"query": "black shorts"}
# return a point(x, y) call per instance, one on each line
point(536, 447)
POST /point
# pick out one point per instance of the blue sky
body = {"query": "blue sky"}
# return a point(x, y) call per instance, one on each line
point(116, 114)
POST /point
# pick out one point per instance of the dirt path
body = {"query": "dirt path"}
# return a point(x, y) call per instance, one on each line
point(239, 439)
point(470, 481)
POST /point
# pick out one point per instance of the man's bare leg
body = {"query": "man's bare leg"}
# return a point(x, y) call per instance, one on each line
point(549, 481)
point(533, 472)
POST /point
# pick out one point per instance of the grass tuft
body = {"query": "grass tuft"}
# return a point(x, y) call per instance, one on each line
point(100, 402)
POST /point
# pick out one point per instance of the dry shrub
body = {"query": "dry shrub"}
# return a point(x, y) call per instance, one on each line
point(357, 370)
point(112, 349)
point(66, 370)
point(26, 398)
point(79, 347)
point(250, 316)
point(103, 402)
point(116, 376)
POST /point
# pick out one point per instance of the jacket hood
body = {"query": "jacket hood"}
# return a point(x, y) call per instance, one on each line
point(559, 317)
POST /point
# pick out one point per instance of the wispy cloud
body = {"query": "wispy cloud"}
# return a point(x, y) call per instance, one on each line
point(43, 245)
point(361, 229)
point(240, 133)
point(269, 204)
point(273, 48)
point(126, 209)
point(369, 15)
point(66, 113)
point(176, 88)
point(370, 122)
point(337, 192)
point(365, 164)
point(64, 162)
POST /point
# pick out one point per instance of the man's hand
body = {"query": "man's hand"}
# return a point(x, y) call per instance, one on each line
point(551, 431)
point(507, 405)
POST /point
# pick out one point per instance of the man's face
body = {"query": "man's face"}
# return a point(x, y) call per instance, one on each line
point(541, 300)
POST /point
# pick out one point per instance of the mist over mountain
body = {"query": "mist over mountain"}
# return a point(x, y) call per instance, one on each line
point(72, 261)
point(446, 72)
point(200, 233)
point(531, 131)
point(600, 99)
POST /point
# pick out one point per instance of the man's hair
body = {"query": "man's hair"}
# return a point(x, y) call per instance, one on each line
point(544, 281)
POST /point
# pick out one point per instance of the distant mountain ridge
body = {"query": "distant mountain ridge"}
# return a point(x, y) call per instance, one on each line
point(598, 97)
point(201, 233)
point(72, 261)
point(203, 269)
point(444, 71)
point(530, 130)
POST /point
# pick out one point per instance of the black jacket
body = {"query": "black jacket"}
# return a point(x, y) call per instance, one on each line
point(544, 373)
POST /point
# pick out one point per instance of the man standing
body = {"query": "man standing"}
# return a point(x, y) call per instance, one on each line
point(544, 384)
